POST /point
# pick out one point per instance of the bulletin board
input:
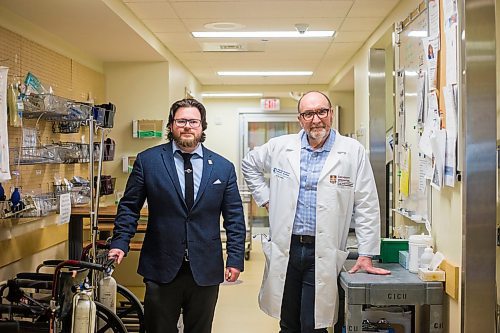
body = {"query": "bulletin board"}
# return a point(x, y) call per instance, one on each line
point(413, 199)
point(426, 106)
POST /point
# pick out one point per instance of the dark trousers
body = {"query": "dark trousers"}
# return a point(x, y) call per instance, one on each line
point(297, 307)
point(163, 303)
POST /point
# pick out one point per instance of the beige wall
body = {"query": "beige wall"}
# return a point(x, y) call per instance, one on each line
point(224, 126)
point(345, 99)
point(446, 211)
point(141, 90)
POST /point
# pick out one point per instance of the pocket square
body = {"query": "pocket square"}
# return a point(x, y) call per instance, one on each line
point(217, 182)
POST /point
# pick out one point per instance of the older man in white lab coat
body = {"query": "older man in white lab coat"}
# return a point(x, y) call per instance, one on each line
point(319, 181)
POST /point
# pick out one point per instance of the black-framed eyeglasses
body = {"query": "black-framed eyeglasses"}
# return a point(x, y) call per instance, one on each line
point(193, 123)
point(308, 115)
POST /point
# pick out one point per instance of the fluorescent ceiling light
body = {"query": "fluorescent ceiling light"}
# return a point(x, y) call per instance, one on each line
point(231, 94)
point(411, 73)
point(273, 73)
point(417, 33)
point(261, 34)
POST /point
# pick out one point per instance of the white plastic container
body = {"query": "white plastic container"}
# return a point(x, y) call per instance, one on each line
point(416, 247)
point(426, 258)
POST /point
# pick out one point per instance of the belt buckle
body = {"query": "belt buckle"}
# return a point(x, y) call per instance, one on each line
point(306, 239)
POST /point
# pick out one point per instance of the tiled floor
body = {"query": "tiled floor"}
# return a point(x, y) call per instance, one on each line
point(237, 308)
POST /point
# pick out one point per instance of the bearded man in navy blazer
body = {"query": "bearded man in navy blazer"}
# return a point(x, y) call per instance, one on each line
point(181, 258)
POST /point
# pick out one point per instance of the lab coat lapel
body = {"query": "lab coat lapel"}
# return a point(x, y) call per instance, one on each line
point(168, 160)
point(334, 157)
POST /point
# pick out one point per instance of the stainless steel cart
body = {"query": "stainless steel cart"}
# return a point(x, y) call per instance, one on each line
point(246, 198)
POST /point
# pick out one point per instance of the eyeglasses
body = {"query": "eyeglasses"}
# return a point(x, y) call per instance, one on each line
point(308, 115)
point(193, 123)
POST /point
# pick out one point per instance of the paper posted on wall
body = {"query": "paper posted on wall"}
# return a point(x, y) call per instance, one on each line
point(451, 136)
point(4, 137)
point(438, 142)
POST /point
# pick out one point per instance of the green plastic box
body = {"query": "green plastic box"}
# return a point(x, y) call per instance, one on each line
point(390, 247)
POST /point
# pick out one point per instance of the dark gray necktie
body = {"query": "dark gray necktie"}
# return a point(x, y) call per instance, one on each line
point(188, 180)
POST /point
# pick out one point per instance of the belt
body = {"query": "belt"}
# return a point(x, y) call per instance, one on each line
point(303, 239)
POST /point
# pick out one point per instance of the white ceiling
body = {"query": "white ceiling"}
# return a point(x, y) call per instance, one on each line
point(96, 29)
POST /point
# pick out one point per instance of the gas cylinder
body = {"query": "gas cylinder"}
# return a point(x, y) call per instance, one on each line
point(107, 292)
point(84, 313)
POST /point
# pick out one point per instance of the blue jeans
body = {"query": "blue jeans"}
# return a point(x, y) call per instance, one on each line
point(297, 307)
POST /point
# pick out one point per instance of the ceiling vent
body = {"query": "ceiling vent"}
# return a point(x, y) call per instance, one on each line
point(233, 47)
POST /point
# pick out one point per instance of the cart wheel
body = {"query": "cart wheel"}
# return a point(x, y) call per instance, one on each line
point(247, 255)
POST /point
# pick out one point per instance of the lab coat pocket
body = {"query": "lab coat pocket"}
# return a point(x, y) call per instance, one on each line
point(341, 258)
point(266, 248)
point(338, 199)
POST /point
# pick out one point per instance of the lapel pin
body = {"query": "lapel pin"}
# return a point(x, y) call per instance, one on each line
point(210, 162)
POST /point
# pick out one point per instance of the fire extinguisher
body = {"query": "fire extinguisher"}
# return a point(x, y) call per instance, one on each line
point(84, 313)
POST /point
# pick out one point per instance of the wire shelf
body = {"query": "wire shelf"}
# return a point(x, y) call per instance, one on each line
point(79, 192)
point(66, 127)
point(52, 107)
point(64, 152)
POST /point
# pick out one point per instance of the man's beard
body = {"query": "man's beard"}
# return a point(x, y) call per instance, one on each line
point(318, 133)
point(187, 143)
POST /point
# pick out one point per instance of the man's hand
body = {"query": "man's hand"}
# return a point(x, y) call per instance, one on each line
point(116, 254)
point(266, 206)
point(231, 274)
point(365, 263)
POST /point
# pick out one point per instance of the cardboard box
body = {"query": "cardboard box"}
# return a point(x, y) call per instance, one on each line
point(404, 259)
point(426, 275)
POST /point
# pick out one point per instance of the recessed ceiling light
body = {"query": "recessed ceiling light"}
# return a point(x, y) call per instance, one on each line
point(223, 26)
point(269, 73)
point(262, 34)
point(231, 94)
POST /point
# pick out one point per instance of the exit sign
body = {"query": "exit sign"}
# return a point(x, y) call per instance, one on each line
point(270, 104)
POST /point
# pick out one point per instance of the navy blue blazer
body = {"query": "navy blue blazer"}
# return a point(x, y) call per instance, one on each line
point(154, 177)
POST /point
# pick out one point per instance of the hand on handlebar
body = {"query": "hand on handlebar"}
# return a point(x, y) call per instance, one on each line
point(116, 254)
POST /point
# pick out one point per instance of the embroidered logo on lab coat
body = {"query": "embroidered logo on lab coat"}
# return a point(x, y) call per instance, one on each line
point(333, 179)
point(280, 173)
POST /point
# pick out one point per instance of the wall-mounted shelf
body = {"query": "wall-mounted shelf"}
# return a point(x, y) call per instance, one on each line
point(415, 218)
point(147, 129)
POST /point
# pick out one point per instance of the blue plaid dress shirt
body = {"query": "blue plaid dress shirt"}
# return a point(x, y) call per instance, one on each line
point(311, 164)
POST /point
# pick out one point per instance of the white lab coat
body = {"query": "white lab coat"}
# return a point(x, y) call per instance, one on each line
point(346, 190)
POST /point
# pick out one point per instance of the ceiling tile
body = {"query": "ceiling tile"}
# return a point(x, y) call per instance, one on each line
point(231, 10)
point(131, 1)
point(352, 36)
point(360, 23)
point(179, 42)
point(165, 25)
point(152, 10)
point(371, 8)
point(259, 24)
point(173, 20)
